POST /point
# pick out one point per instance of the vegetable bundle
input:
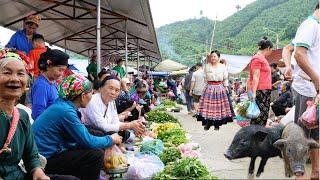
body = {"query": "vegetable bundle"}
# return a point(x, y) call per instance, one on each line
point(160, 117)
point(170, 155)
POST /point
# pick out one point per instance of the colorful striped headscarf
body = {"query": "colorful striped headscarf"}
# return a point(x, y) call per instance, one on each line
point(73, 85)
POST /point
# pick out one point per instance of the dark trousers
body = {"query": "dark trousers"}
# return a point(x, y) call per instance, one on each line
point(82, 163)
point(189, 101)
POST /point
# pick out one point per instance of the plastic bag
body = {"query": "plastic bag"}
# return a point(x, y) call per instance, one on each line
point(114, 158)
point(155, 147)
point(253, 110)
point(143, 166)
point(189, 150)
point(309, 117)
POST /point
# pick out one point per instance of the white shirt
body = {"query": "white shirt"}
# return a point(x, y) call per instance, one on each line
point(99, 115)
point(199, 84)
point(219, 73)
point(308, 36)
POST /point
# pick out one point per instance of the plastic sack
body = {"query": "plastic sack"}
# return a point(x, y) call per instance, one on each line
point(152, 147)
point(189, 150)
point(253, 110)
point(114, 158)
point(309, 117)
point(143, 166)
point(242, 121)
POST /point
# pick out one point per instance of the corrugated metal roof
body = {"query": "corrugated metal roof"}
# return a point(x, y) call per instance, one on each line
point(73, 22)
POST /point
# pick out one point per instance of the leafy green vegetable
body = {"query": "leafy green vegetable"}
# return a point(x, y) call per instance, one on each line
point(175, 136)
point(170, 155)
point(186, 168)
point(168, 103)
point(160, 117)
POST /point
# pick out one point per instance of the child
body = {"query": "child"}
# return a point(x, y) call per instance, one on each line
point(34, 55)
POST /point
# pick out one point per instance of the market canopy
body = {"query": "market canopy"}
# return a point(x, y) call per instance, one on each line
point(169, 66)
point(72, 24)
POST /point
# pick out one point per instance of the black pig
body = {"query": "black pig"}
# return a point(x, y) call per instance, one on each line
point(253, 141)
point(295, 149)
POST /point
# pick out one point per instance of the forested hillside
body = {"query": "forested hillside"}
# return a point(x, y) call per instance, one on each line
point(187, 41)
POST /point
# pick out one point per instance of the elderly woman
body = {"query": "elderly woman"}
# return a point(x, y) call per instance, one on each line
point(16, 137)
point(64, 140)
point(101, 113)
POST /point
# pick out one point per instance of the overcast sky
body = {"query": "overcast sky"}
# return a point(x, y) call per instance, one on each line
point(169, 11)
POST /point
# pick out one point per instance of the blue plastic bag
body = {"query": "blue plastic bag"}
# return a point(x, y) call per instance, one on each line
point(253, 110)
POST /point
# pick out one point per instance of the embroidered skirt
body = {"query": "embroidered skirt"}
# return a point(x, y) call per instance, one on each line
point(214, 109)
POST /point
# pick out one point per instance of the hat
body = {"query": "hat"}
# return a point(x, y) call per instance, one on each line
point(56, 57)
point(73, 85)
point(33, 19)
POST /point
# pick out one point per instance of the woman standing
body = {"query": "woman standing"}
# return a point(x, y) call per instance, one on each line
point(260, 80)
point(214, 109)
point(16, 138)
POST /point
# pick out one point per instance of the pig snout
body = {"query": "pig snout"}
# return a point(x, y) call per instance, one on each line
point(228, 154)
point(298, 170)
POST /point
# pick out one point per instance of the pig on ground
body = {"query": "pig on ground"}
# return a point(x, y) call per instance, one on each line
point(255, 141)
point(295, 149)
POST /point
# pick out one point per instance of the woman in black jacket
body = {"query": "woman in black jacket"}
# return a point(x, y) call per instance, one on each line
point(284, 101)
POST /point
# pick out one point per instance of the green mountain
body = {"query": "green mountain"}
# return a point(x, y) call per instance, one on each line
point(187, 41)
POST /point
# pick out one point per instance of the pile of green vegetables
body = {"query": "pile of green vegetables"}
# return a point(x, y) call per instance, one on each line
point(242, 108)
point(168, 103)
point(185, 168)
point(170, 155)
point(174, 136)
point(160, 117)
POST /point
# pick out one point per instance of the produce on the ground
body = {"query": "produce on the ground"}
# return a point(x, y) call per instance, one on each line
point(114, 158)
point(189, 150)
point(160, 117)
point(174, 136)
point(170, 155)
point(168, 103)
point(154, 146)
point(160, 128)
point(185, 168)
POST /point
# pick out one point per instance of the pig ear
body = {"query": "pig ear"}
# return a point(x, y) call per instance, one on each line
point(260, 135)
point(313, 144)
point(280, 143)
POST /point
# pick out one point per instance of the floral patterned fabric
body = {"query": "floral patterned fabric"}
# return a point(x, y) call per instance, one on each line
point(72, 86)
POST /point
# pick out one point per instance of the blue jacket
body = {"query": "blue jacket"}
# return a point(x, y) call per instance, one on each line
point(43, 94)
point(59, 128)
point(20, 41)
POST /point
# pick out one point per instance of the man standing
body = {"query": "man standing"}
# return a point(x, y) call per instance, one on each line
point(186, 87)
point(197, 85)
point(306, 75)
point(92, 68)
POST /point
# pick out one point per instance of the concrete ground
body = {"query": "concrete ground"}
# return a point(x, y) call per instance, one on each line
point(214, 143)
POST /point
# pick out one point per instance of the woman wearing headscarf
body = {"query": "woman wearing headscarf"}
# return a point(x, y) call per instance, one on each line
point(16, 137)
point(62, 138)
point(260, 80)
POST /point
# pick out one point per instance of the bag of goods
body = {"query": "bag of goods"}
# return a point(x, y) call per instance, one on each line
point(152, 147)
point(189, 150)
point(114, 158)
point(143, 166)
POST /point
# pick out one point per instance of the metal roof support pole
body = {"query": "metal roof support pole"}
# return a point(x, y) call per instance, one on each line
point(126, 46)
point(138, 59)
point(144, 64)
point(65, 45)
point(98, 35)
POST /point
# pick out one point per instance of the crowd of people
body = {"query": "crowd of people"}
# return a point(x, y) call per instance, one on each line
point(75, 117)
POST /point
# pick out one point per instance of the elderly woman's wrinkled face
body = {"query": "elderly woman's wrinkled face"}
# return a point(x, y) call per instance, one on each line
point(111, 90)
point(13, 79)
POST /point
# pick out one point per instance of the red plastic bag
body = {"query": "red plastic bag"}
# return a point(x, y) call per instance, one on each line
point(309, 117)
